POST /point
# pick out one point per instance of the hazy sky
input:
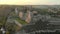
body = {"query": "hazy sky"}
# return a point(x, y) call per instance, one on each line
point(30, 2)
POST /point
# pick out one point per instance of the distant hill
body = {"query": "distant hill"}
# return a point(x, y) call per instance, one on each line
point(4, 10)
point(46, 6)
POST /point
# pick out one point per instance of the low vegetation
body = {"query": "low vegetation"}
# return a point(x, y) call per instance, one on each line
point(21, 21)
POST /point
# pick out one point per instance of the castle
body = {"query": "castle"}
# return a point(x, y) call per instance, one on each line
point(25, 13)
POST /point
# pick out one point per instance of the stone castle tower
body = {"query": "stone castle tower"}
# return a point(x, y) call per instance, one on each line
point(29, 15)
point(20, 14)
point(16, 11)
point(28, 18)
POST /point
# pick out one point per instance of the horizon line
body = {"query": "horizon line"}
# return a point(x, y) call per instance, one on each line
point(26, 4)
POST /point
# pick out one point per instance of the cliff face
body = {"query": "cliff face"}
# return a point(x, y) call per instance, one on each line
point(4, 11)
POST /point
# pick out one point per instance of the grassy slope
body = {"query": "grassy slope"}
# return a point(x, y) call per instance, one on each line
point(21, 21)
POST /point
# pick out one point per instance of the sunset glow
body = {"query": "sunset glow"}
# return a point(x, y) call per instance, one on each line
point(30, 2)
